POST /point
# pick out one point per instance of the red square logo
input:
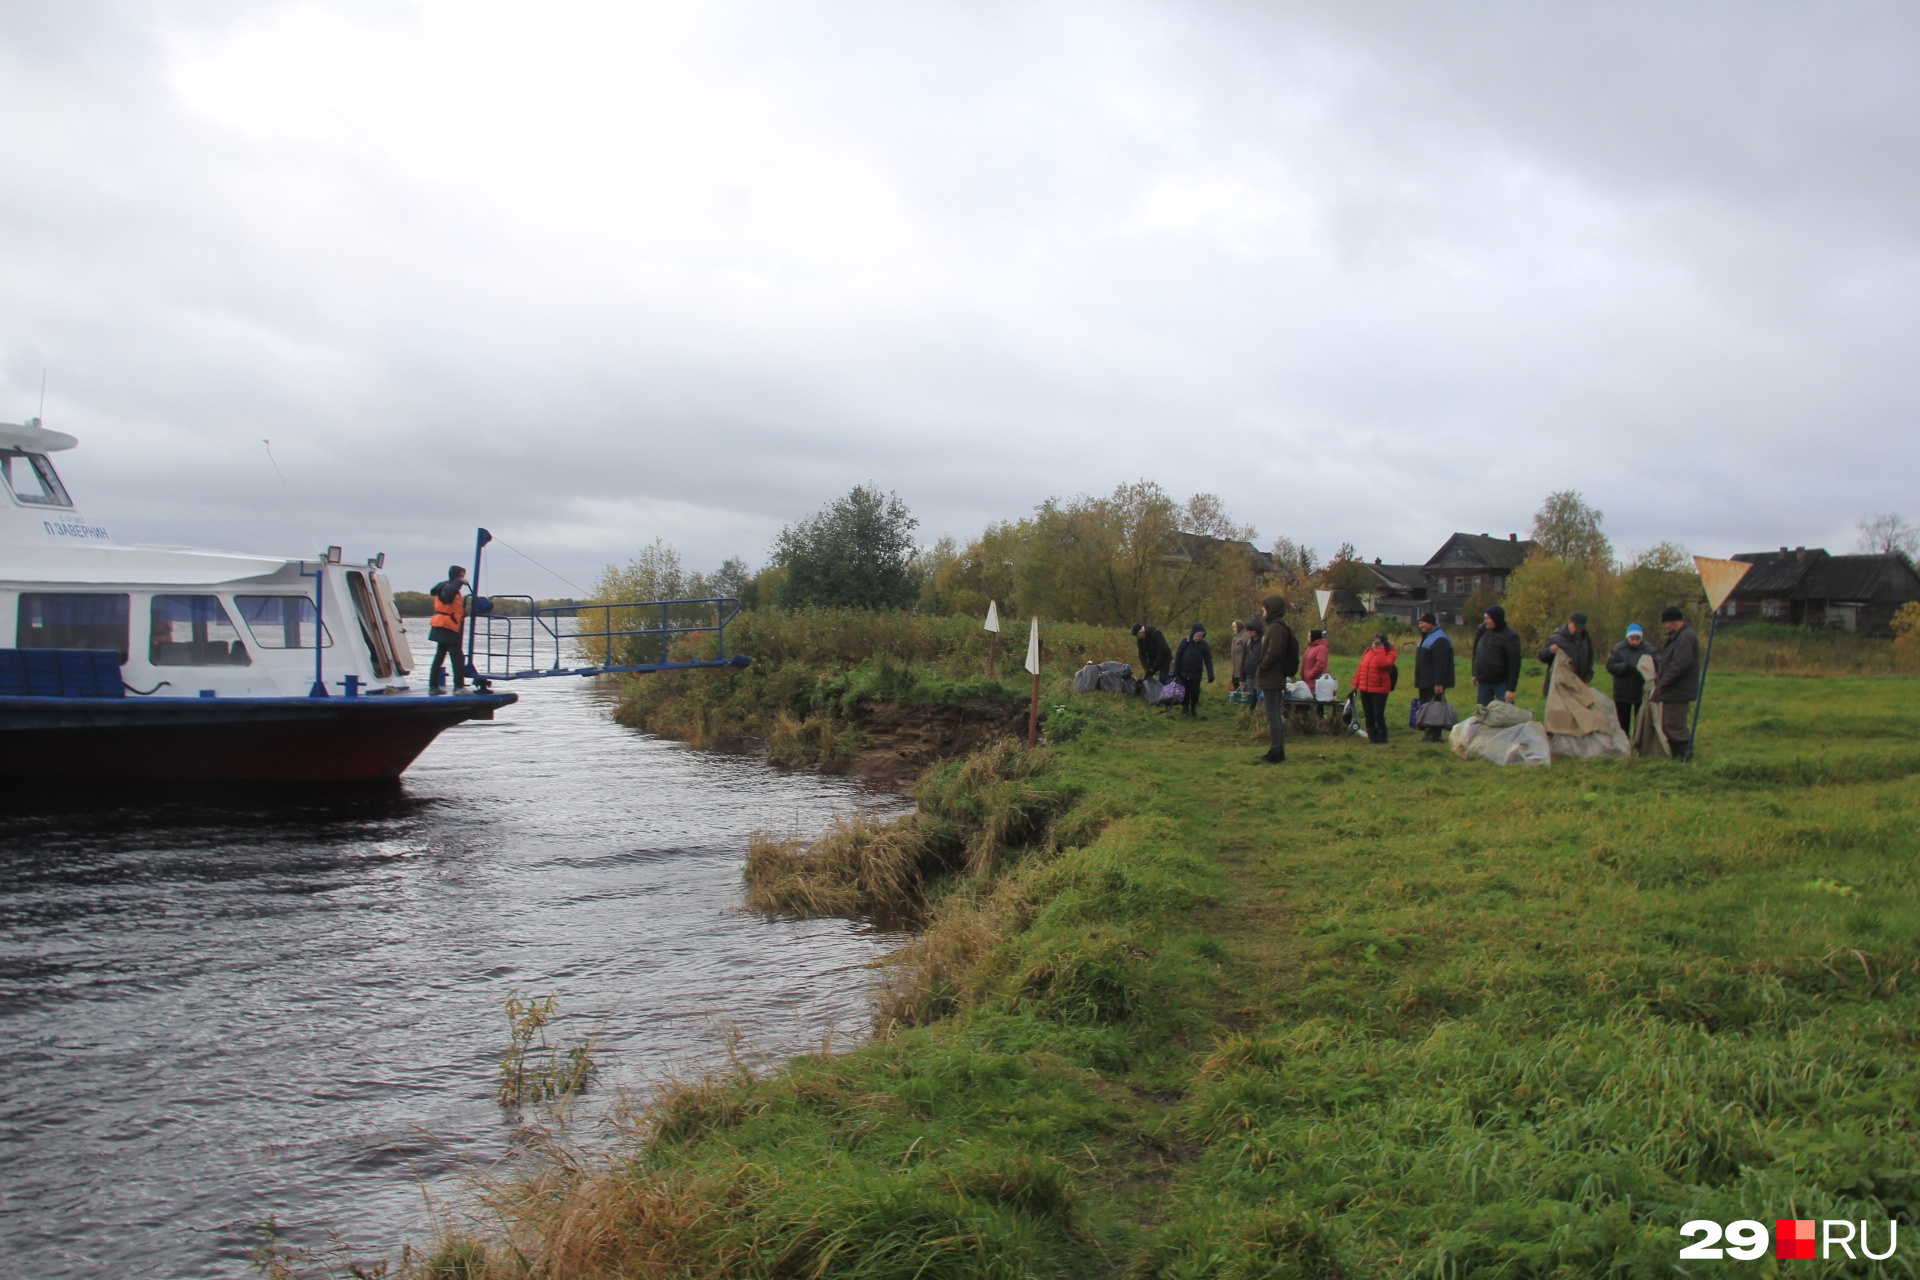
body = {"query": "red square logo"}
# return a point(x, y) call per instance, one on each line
point(1793, 1238)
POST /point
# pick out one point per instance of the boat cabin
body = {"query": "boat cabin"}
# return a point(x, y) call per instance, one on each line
point(184, 623)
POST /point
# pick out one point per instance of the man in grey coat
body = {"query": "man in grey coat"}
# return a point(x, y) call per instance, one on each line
point(1574, 643)
point(1676, 683)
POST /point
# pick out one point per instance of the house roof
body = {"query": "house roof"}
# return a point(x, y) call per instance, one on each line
point(1200, 546)
point(1482, 549)
point(1399, 577)
point(1776, 573)
point(1861, 578)
point(1812, 574)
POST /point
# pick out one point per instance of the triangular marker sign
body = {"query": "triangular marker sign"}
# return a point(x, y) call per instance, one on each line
point(993, 616)
point(1324, 597)
point(1720, 577)
point(1033, 648)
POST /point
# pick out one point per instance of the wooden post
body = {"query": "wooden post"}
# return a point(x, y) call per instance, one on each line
point(1033, 717)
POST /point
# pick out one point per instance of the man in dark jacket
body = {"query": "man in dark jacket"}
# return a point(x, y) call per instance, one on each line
point(1574, 643)
point(1629, 686)
point(1193, 655)
point(1432, 665)
point(1677, 682)
point(1279, 659)
point(1155, 654)
point(1496, 658)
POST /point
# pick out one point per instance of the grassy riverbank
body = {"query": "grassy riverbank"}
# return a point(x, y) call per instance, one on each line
point(883, 694)
point(1375, 1012)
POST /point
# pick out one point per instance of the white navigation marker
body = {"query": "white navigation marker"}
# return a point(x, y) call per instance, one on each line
point(1033, 649)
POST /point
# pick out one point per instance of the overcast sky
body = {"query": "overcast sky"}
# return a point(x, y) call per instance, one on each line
point(590, 274)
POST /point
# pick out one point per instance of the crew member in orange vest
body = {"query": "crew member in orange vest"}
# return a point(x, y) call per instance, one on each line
point(449, 616)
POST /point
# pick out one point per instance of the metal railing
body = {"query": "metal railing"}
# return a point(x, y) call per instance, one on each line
point(631, 637)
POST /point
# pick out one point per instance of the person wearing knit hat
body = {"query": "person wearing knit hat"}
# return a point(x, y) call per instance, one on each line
point(1629, 686)
point(1496, 658)
point(1432, 665)
point(1572, 642)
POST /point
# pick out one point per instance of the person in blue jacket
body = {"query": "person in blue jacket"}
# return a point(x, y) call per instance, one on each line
point(1433, 665)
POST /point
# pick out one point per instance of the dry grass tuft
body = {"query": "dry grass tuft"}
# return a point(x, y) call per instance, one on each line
point(862, 866)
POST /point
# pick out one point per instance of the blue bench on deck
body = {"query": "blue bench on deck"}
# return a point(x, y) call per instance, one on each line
point(60, 673)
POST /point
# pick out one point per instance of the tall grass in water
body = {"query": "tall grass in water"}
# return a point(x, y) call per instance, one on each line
point(971, 816)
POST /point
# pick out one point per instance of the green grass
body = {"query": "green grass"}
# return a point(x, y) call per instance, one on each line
point(1376, 1012)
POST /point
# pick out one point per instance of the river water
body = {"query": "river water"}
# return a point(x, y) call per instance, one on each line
point(223, 1007)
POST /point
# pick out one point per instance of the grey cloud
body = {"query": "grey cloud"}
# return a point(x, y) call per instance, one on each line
point(1372, 273)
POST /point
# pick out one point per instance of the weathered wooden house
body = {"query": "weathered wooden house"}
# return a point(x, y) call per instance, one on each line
point(1807, 587)
point(1469, 562)
point(1201, 548)
point(1396, 591)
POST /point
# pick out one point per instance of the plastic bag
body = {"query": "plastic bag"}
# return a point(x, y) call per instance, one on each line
point(1326, 688)
point(1086, 679)
point(1524, 743)
point(1150, 689)
point(1500, 714)
point(1437, 713)
point(1172, 694)
point(1298, 691)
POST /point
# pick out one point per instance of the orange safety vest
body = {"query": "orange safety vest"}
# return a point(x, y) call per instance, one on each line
point(449, 617)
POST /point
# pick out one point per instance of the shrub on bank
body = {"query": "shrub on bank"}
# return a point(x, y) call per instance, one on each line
point(815, 671)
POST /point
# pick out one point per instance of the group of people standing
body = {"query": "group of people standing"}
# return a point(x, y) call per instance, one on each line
point(1495, 670)
point(1265, 655)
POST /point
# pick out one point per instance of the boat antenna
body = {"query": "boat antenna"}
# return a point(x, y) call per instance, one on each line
point(291, 500)
point(536, 564)
point(43, 394)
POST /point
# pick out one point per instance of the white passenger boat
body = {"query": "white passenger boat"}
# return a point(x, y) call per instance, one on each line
point(167, 662)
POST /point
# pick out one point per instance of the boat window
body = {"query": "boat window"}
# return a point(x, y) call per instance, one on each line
point(194, 631)
point(281, 622)
point(30, 477)
point(49, 621)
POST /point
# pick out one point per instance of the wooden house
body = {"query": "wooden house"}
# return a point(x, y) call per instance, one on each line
point(1396, 591)
point(1807, 587)
point(1470, 562)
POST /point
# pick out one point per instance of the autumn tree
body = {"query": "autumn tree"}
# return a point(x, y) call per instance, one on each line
point(1664, 574)
point(1566, 528)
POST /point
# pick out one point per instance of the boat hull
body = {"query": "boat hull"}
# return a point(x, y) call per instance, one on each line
point(234, 739)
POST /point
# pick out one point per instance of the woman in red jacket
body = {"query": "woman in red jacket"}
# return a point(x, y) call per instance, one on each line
point(1374, 681)
point(1313, 663)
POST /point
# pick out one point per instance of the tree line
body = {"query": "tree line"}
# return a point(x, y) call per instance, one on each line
point(1140, 555)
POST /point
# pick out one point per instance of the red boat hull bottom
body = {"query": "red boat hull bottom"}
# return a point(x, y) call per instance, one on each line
point(342, 743)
